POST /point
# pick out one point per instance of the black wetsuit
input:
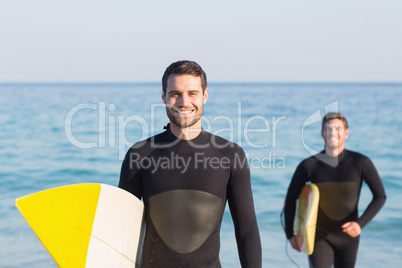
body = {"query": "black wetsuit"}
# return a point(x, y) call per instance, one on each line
point(184, 186)
point(339, 187)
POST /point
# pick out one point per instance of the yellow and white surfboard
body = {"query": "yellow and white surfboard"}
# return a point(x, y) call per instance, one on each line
point(307, 217)
point(87, 225)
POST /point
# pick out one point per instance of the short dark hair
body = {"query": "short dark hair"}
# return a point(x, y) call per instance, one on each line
point(184, 67)
point(332, 115)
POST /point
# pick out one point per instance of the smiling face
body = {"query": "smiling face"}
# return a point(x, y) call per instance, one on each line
point(335, 133)
point(184, 99)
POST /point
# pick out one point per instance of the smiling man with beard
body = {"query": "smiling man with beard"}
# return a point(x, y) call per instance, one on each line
point(184, 208)
point(339, 175)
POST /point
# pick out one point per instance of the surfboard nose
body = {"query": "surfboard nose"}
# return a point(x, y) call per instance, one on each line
point(86, 225)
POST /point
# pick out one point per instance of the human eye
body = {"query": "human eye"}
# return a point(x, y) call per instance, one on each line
point(174, 94)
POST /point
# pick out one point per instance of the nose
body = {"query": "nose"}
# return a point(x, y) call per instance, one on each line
point(183, 101)
point(332, 132)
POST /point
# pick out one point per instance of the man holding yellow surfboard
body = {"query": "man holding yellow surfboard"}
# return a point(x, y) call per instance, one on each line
point(185, 176)
point(338, 174)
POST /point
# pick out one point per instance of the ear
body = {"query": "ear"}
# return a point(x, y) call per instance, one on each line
point(346, 133)
point(205, 95)
point(163, 97)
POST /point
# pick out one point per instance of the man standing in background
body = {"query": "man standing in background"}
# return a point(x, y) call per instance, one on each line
point(338, 174)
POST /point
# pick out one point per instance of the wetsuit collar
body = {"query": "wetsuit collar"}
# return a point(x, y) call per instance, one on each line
point(333, 161)
point(200, 139)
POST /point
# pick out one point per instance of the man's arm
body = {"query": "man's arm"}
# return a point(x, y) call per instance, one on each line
point(241, 204)
point(371, 177)
point(130, 175)
point(298, 181)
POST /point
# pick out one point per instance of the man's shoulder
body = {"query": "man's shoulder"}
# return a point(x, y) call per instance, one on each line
point(219, 142)
point(152, 142)
point(312, 158)
point(358, 157)
point(315, 160)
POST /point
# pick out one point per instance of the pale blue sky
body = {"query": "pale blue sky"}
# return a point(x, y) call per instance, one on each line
point(261, 41)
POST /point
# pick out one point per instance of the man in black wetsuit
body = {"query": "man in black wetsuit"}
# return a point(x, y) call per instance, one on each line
point(338, 174)
point(185, 175)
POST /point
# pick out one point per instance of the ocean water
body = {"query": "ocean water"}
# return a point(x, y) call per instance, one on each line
point(58, 134)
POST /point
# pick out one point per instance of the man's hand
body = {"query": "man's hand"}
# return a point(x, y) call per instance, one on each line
point(296, 242)
point(352, 228)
